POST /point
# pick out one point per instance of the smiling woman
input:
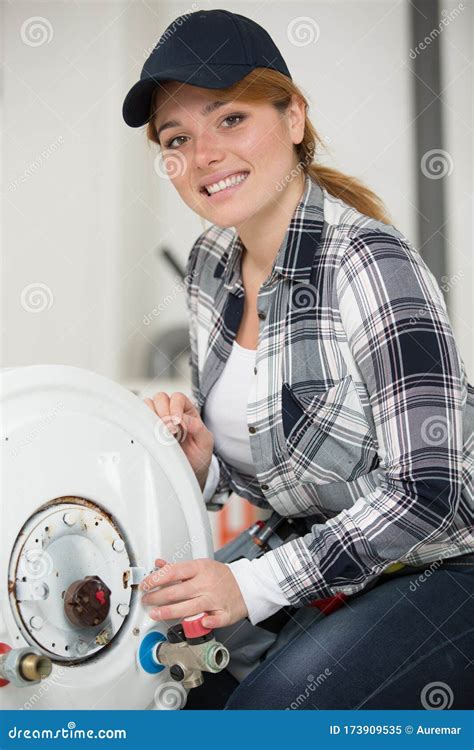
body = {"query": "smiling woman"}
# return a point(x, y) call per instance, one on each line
point(258, 126)
point(327, 387)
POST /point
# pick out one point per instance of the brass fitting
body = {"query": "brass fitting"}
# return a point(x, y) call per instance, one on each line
point(24, 666)
point(188, 661)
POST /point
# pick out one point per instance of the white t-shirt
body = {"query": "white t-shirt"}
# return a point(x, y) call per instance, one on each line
point(226, 418)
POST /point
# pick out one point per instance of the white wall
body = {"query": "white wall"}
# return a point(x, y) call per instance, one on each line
point(84, 209)
point(457, 87)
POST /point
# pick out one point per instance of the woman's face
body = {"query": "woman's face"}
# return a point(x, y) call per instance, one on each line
point(203, 145)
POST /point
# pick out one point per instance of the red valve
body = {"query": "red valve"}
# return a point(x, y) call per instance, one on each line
point(4, 647)
point(330, 603)
point(100, 596)
point(193, 627)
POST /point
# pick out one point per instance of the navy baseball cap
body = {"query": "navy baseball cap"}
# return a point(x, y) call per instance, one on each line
point(208, 48)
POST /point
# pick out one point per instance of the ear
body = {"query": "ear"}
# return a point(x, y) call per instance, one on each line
point(296, 114)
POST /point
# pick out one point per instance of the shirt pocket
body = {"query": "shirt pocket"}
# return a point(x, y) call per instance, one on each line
point(327, 436)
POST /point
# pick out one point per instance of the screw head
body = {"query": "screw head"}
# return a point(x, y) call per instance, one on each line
point(81, 648)
point(41, 590)
point(118, 545)
point(123, 609)
point(36, 622)
point(176, 672)
point(70, 518)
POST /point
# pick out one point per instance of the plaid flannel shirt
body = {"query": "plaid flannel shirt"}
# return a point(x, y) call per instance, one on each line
point(360, 418)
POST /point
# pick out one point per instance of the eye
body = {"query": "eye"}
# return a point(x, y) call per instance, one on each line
point(168, 143)
point(239, 115)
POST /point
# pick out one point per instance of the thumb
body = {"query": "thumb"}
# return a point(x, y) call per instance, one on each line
point(214, 621)
point(191, 425)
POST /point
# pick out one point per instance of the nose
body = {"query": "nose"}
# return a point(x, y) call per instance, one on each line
point(207, 150)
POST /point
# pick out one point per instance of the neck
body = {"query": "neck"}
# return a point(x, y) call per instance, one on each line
point(264, 232)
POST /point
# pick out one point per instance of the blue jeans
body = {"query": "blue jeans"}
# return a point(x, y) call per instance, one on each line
point(406, 643)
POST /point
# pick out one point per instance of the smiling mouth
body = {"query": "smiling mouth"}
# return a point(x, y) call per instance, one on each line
point(224, 190)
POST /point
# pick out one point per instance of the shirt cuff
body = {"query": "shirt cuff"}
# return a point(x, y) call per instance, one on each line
point(212, 479)
point(259, 588)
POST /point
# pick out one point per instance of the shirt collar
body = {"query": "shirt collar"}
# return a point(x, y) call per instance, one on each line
point(295, 257)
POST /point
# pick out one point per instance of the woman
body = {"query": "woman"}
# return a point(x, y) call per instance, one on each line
point(327, 386)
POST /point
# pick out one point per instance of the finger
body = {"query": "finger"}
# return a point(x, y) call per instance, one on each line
point(216, 620)
point(149, 403)
point(152, 578)
point(169, 572)
point(188, 425)
point(161, 403)
point(178, 611)
point(179, 592)
point(180, 403)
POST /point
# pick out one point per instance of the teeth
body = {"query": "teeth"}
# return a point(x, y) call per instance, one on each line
point(228, 182)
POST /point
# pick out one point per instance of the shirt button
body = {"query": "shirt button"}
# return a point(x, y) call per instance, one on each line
point(252, 429)
point(262, 315)
point(264, 486)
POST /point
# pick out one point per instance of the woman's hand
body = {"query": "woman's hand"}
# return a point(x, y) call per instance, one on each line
point(191, 587)
point(183, 419)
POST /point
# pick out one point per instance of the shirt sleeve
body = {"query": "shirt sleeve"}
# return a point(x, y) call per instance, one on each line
point(395, 325)
point(217, 482)
point(259, 587)
point(212, 479)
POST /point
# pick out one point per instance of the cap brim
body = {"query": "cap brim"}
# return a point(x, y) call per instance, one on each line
point(137, 104)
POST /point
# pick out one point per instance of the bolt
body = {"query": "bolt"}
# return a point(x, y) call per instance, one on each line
point(41, 591)
point(70, 518)
point(123, 610)
point(36, 622)
point(136, 631)
point(118, 545)
point(177, 672)
point(103, 637)
point(31, 555)
point(81, 648)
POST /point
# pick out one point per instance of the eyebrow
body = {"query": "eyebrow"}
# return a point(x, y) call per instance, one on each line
point(206, 110)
